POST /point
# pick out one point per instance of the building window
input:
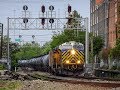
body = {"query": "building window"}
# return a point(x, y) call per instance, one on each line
point(97, 19)
point(93, 7)
point(93, 19)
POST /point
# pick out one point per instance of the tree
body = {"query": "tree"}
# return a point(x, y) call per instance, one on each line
point(97, 45)
point(12, 46)
point(115, 52)
point(105, 54)
point(4, 48)
point(25, 52)
point(66, 36)
point(46, 48)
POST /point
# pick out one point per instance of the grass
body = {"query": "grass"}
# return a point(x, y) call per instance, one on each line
point(10, 85)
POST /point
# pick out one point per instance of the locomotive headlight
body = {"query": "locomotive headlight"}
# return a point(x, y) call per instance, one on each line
point(73, 52)
point(67, 61)
point(78, 62)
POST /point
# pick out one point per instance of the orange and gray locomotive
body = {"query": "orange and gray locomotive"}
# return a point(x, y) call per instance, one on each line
point(67, 57)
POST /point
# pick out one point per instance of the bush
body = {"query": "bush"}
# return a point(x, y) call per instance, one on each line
point(114, 67)
point(2, 67)
point(105, 67)
point(118, 68)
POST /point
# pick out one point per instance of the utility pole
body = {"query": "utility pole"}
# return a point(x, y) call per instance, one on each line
point(86, 42)
point(8, 49)
point(1, 36)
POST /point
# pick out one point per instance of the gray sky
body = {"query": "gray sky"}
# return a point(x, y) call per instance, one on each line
point(9, 8)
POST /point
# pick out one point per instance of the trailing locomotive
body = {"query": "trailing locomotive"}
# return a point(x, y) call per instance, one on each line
point(68, 57)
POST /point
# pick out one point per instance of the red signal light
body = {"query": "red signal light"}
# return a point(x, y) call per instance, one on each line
point(43, 21)
point(43, 9)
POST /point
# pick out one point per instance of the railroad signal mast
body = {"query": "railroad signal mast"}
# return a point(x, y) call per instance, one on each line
point(46, 21)
point(1, 39)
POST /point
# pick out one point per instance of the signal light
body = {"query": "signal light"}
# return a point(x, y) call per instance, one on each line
point(51, 8)
point(25, 20)
point(25, 7)
point(51, 21)
point(69, 8)
point(43, 21)
point(20, 36)
point(33, 36)
point(33, 42)
point(43, 9)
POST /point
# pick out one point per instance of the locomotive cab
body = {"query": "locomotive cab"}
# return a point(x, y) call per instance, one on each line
point(55, 58)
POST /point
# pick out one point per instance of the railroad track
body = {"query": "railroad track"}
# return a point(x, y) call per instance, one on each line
point(93, 81)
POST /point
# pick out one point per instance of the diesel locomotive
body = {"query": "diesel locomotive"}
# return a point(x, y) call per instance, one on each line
point(66, 58)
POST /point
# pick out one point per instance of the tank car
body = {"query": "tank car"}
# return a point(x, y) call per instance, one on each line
point(37, 63)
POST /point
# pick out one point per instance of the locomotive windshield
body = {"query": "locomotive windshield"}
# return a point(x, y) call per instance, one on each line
point(65, 47)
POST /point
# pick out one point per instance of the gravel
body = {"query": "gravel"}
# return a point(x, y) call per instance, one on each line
point(48, 85)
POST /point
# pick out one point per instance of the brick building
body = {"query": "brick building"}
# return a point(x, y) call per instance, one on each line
point(114, 20)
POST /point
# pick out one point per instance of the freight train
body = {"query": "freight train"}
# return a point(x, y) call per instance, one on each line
point(66, 58)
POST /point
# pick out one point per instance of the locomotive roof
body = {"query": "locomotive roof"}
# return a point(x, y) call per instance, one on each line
point(71, 43)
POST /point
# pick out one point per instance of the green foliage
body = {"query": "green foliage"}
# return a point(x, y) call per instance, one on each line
point(97, 45)
point(2, 67)
point(104, 67)
point(114, 67)
point(57, 40)
point(75, 14)
point(118, 68)
point(26, 51)
point(115, 52)
point(10, 85)
point(67, 35)
point(46, 48)
point(4, 48)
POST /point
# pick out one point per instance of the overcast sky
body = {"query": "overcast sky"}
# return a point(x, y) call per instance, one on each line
point(11, 8)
